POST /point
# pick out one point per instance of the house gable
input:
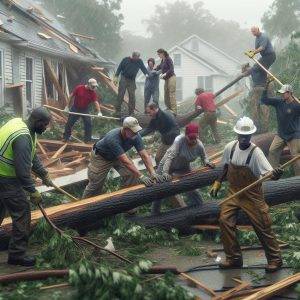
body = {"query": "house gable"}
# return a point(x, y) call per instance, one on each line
point(211, 54)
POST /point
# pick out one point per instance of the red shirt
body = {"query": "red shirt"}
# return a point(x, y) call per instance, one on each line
point(207, 101)
point(83, 97)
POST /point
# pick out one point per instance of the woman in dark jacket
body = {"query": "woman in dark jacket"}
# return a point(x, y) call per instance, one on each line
point(167, 73)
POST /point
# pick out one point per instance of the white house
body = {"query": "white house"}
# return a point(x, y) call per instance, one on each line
point(39, 60)
point(198, 63)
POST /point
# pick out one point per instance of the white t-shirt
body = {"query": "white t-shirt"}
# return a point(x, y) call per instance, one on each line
point(258, 164)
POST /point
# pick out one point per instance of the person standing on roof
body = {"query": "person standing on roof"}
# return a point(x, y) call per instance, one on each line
point(79, 102)
point(206, 102)
point(167, 74)
point(17, 160)
point(128, 69)
point(244, 163)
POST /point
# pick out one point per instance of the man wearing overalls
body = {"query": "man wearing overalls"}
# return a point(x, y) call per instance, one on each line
point(244, 163)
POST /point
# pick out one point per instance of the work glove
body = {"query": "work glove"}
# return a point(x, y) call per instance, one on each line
point(277, 173)
point(166, 177)
point(250, 53)
point(67, 109)
point(215, 188)
point(269, 79)
point(147, 181)
point(35, 197)
point(155, 178)
point(210, 165)
point(116, 80)
point(162, 76)
point(47, 180)
point(99, 114)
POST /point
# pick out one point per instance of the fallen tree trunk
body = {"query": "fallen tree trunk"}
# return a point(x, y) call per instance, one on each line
point(275, 192)
point(81, 214)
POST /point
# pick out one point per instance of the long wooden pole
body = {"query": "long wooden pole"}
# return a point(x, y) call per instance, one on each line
point(255, 183)
point(273, 76)
point(59, 189)
point(80, 114)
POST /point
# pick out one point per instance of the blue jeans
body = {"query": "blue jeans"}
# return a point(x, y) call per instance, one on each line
point(151, 93)
point(87, 123)
point(259, 76)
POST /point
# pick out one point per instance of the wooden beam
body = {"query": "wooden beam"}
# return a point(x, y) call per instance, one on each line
point(227, 99)
point(275, 288)
point(71, 146)
point(230, 293)
point(54, 80)
point(60, 151)
point(84, 36)
point(230, 110)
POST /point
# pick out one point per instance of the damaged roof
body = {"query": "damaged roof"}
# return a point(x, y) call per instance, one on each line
point(27, 25)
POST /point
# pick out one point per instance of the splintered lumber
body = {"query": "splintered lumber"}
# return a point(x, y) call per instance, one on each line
point(53, 144)
point(275, 288)
point(230, 293)
point(54, 80)
point(60, 151)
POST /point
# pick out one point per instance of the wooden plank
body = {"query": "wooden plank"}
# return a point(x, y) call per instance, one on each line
point(217, 227)
point(54, 80)
point(198, 284)
point(230, 97)
point(71, 146)
point(77, 161)
point(40, 146)
point(230, 293)
point(60, 151)
point(230, 110)
point(84, 36)
point(275, 288)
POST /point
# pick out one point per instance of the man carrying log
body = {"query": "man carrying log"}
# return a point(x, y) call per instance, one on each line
point(185, 149)
point(110, 152)
point(165, 123)
point(17, 160)
point(244, 163)
point(79, 102)
point(206, 102)
point(288, 123)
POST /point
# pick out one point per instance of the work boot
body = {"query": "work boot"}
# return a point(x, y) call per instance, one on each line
point(273, 266)
point(26, 261)
point(231, 264)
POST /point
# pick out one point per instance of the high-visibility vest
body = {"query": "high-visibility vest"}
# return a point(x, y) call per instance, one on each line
point(8, 133)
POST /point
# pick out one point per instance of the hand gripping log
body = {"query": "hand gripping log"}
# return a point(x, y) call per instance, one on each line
point(262, 179)
point(273, 76)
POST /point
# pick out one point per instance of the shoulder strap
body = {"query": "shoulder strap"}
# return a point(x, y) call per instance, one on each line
point(250, 155)
point(232, 150)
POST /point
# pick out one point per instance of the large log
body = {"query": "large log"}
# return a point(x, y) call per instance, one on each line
point(275, 193)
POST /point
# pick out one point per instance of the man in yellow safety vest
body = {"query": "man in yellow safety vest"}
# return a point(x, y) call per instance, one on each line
point(17, 159)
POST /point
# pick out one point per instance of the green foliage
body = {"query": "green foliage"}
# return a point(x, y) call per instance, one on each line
point(101, 282)
point(189, 250)
point(281, 19)
point(61, 252)
point(21, 291)
point(139, 234)
point(100, 19)
point(4, 116)
point(42, 232)
point(247, 238)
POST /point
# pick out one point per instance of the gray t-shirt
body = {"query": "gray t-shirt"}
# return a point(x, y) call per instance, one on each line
point(263, 41)
point(183, 154)
point(112, 145)
point(258, 164)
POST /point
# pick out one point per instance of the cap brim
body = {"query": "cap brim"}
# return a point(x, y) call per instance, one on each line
point(281, 91)
point(243, 132)
point(136, 129)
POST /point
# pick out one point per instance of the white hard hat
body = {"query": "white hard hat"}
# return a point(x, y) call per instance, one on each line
point(92, 82)
point(244, 126)
point(286, 88)
point(132, 123)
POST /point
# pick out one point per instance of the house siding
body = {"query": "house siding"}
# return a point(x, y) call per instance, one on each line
point(212, 55)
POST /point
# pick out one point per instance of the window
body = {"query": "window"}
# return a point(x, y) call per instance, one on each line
point(179, 93)
point(205, 82)
point(195, 46)
point(29, 81)
point(1, 78)
point(177, 60)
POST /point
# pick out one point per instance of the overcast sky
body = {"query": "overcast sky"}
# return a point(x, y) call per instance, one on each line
point(245, 12)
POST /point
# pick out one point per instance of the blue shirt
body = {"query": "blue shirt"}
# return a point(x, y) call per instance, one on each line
point(288, 116)
point(263, 41)
point(129, 67)
point(112, 145)
point(152, 81)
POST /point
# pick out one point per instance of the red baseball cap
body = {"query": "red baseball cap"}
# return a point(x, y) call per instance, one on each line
point(192, 131)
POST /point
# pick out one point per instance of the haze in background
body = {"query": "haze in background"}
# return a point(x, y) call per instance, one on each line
point(245, 12)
